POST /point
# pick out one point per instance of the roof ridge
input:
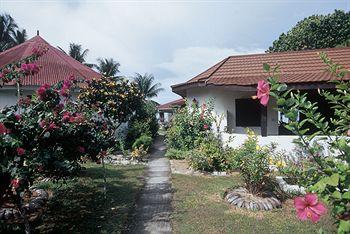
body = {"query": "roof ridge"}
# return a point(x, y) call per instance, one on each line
point(215, 70)
point(292, 52)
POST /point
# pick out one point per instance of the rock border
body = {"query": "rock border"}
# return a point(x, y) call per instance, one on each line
point(242, 198)
point(10, 214)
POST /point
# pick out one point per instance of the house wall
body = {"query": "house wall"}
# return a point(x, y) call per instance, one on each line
point(224, 104)
point(8, 97)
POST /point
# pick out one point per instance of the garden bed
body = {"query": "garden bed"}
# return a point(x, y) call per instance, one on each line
point(198, 207)
point(79, 205)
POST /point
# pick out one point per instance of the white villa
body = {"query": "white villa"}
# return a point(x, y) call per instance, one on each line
point(232, 82)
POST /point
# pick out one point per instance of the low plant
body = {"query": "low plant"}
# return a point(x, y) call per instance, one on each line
point(253, 164)
point(208, 154)
point(175, 154)
point(139, 152)
point(144, 140)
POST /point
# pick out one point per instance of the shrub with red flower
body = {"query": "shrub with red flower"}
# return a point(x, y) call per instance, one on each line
point(29, 68)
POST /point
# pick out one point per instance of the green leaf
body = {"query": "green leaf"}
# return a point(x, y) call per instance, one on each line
point(333, 180)
point(266, 67)
point(346, 195)
point(344, 226)
point(336, 194)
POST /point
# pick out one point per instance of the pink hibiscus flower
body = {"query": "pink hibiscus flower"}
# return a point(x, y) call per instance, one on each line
point(263, 92)
point(309, 207)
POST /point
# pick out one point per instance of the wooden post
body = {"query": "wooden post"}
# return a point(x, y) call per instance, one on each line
point(263, 121)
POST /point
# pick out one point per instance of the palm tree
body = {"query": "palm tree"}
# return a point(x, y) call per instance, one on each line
point(7, 29)
point(107, 67)
point(19, 36)
point(76, 51)
point(146, 86)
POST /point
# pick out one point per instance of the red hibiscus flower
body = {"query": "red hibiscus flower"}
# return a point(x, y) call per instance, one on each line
point(15, 183)
point(18, 117)
point(81, 149)
point(3, 129)
point(66, 117)
point(42, 91)
point(309, 207)
point(263, 92)
point(20, 151)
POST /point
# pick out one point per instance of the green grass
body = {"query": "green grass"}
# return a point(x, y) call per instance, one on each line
point(78, 206)
point(199, 208)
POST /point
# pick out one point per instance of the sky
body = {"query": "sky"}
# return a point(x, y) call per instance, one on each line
point(173, 40)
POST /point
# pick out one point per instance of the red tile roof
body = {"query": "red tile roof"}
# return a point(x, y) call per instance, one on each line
point(295, 67)
point(55, 64)
point(171, 105)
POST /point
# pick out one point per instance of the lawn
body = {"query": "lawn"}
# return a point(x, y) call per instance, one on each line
point(199, 208)
point(79, 206)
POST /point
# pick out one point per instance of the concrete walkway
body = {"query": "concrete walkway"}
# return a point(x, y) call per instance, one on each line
point(154, 206)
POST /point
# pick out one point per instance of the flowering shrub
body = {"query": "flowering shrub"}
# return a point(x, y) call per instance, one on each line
point(328, 176)
point(253, 163)
point(188, 124)
point(41, 141)
point(115, 99)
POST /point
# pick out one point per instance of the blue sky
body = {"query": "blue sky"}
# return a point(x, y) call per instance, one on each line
point(174, 40)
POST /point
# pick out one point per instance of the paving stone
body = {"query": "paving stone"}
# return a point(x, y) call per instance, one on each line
point(153, 209)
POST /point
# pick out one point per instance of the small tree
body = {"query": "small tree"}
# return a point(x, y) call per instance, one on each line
point(328, 176)
point(315, 32)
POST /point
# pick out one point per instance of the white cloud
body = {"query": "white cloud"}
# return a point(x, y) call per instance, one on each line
point(189, 62)
point(174, 40)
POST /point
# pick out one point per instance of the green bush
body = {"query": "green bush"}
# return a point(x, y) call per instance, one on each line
point(175, 154)
point(253, 163)
point(208, 154)
point(144, 140)
point(144, 122)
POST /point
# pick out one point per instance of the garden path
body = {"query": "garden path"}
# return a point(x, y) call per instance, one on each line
point(154, 206)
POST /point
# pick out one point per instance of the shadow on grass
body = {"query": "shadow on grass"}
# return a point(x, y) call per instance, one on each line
point(79, 205)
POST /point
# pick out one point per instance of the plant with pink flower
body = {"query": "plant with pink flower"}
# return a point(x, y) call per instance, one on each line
point(30, 68)
point(263, 92)
point(309, 207)
point(328, 176)
point(20, 151)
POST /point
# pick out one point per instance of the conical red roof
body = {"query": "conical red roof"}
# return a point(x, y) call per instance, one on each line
point(55, 64)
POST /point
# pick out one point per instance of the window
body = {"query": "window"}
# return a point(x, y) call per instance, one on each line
point(248, 113)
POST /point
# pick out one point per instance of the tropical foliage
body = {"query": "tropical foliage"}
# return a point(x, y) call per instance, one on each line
point(10, 34)
point(49, 135)
point(107, 67)
point(146, 85)
point(328, 176)
point(316, 31)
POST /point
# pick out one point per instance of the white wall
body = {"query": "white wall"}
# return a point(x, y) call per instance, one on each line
point(8, 97)
point(224, 104)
